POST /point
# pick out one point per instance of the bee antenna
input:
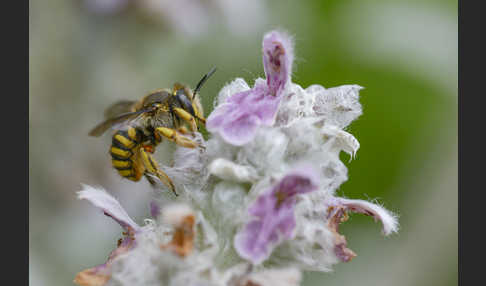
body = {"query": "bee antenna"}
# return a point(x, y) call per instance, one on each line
point(203, 80)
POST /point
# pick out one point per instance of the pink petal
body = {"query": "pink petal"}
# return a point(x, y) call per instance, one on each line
point(240, 130)
point(302, 179)
point(273, 216)
point(239, 116)
point(245, 246)
point(219, 115)
point(278, 56)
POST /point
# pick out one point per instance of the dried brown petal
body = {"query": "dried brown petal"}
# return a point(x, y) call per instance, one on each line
point(337, 215)
point(182, 241)
point(92, 277)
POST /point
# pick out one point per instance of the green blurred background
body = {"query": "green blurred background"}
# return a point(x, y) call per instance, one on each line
point(86, 54)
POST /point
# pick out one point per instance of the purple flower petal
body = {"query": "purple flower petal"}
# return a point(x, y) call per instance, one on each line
point(243, 97)
point(273, 216)
point(110, 206)
point(278, 56)
point(240, 130)
point(218, 117)
point(302, 179)
point(238, 118)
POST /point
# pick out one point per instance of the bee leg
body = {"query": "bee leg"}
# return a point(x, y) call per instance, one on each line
point(183, 130)
point(186, 116)
point(174, 136)
point(152, 168)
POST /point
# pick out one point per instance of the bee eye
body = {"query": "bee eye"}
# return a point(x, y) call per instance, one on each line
point(183, 99)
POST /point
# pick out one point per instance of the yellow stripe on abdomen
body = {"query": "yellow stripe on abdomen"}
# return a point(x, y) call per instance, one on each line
point(133, 134)
point(123, 150)
point(126, 173)
point(120, 152)
point(121, 164)
point(124, 141)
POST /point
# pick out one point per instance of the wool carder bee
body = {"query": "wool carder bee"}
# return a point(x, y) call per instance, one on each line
point(141, 125)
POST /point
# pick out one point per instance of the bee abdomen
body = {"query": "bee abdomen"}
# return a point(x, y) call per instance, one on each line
point(127, 139)
point(121, 151)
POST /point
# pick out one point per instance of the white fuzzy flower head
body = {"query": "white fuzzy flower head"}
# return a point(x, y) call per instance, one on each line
point(257, 204)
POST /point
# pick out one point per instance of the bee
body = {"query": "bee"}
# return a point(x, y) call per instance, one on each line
point(141, 125)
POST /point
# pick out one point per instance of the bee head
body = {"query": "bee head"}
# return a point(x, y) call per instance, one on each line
point(188, 101)
point(184, 96)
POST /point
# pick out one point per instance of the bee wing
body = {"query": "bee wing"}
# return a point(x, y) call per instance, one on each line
point(135, 121)
point(118, 108)
point(116, 122)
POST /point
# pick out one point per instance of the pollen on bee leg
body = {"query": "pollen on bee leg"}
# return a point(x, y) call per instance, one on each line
point(182, 218)
point(183, 130)
point(149, 148)
point(167, 132)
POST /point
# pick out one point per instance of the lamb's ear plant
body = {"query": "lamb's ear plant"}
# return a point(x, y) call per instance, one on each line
point(257, 205)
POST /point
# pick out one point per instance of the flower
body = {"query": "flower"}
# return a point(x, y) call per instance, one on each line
point(273, 215)
point(238, 117)
point(258, 204)
point(171, 240)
